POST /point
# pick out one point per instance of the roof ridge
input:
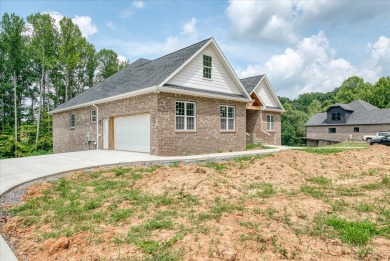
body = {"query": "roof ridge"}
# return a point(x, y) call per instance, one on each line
point(182, 49)
point(252, 76)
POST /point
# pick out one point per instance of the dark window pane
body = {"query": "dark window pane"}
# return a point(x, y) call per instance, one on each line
point(223, 111)
point(223, 124)
point(231, 124)
point(231, 112)
point(179, 108)
point(179, 123)
point(190, 123)
point(190, 109)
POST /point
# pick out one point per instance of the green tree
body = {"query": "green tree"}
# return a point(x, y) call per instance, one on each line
point(351, 89)
point(314, 108)
point(293, 125)
point(70, 53)
point(43, 44)
point(379, 94)
point(13, 44)
point(108, 64)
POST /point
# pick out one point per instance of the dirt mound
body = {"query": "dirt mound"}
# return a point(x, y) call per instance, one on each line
point(274, 207)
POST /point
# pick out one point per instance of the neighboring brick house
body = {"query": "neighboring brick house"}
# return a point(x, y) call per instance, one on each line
point(343, 122)
point(187, 102)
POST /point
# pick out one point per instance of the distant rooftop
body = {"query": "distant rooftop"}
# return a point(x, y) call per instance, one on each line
point(362, 113)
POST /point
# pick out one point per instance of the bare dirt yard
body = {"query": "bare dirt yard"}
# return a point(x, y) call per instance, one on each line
point(288, 205)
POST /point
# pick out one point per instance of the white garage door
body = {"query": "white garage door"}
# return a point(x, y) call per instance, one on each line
point(132, 133)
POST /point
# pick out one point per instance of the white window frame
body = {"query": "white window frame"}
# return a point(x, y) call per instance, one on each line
point(209, 67)
point(92, 116)
point(185, 116)
point(228, 118)
point(70, 120)
point(270, 122)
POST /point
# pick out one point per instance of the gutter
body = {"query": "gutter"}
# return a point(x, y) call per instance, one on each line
point(108, 99)
point(200, 94)
point(97, 126)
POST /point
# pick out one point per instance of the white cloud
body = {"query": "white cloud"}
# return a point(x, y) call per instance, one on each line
point(313, 67)
point(111, 25)
point(138, 4)
point(136, 49)
point(267, 20)
point(122, 58)
point(85, 23)
point(380, 54)
point(282, 21)
point(190, 27)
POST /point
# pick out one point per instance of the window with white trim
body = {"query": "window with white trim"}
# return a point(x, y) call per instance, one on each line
point(72, 120)
point(185, 115)
point(227, 118)
point(207, 62)
point(93, 116)
point(270, 122)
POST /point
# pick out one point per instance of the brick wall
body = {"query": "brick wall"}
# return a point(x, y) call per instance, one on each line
point(343, 133)
point(208, 138)
point(256, 127)
point(164, 139)
point(66, 139)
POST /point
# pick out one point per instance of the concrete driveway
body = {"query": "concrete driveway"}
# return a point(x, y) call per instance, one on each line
point(14, 172)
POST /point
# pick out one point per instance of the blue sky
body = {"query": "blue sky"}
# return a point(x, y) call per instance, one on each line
point(302, 46)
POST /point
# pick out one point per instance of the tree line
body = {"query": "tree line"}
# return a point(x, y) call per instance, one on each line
point(41, 66)
point(299, 110)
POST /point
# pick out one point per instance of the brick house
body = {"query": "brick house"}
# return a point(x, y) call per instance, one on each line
point(343, 122)
point(186, 102)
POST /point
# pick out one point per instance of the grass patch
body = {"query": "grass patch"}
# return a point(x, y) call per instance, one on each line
point(251, 157)
point(383, 184)
point(321, 180)
point(217, 166)
point(265, 190)
point(313, 191)
point(251, 146)
point(355, 233)
point(348, 144)
point(364, 207)
point(119, 171)
point(325, 150)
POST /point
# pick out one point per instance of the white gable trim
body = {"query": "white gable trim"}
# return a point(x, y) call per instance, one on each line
point(200, 94)
point(225, 63)
point(268, 84)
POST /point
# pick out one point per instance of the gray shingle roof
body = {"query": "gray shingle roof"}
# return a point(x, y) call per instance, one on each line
point(139, 75)
point(363, 113)
point(358, 104)
point(343, 106)
point(251, 82)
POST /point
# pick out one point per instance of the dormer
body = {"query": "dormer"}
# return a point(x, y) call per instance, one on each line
point(338, 113)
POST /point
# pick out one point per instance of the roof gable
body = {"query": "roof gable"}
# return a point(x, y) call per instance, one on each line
point(250, 83)
point(260, 85)
point(223, 80)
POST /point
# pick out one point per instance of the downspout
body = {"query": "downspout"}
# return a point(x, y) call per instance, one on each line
point(97, 125)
